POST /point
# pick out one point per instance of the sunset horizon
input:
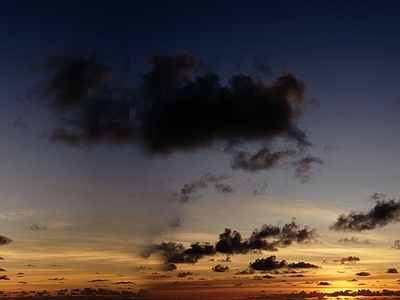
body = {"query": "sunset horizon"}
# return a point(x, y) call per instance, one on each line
point(200, 149)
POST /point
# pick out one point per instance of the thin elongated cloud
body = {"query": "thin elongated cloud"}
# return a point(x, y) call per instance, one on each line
point(353, 240)
point(177, 106)
point(382, 214)
point(349, 259)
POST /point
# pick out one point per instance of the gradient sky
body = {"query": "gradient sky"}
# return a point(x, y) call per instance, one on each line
point(112, 184)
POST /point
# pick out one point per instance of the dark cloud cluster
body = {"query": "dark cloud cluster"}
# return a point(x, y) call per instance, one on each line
point(177, 105)
point(177, 253)
point(231, 242)
point(382, 214)
point(270, 264)
point(220, 268)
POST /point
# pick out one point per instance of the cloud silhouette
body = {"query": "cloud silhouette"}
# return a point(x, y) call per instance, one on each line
point(392, 271)
point(268, 264)
point(382, 214)
point(5, 240)
point(188, 191)
point(302, 265)
point(177, 105)
point(353, 240)
point(363, 273)
point(231, 242)
point(349, 259)
point(396, 244)
point(220, 268)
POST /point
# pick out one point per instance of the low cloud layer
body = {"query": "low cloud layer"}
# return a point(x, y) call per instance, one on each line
point(382, 214)
point(177, 106)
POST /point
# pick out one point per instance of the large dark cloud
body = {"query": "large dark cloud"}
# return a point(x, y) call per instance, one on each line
point(382, 214)
point(177, 105)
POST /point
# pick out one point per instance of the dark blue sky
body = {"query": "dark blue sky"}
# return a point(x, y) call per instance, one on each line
point(345, 53)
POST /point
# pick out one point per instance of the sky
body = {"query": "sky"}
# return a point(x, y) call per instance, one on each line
point(200, 149)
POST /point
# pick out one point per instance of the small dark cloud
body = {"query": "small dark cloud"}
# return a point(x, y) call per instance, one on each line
point(268, 264)
point(36, 227)
point(377, 197)
point(224, 188)
point(303, 167)
point(226, 259)
point(392, 271)
point(168, 267)
point(396, 244)
point(220, 268)
point(324, 283)
point(349, 259)
point(302, 265)
point(188, 191)
point(4, 240)
point(4, 277)
point(263, 159)
point(382, 214)
point(98, 280)
point(1, 258)
point(353, 240)
point(208, 177)
point(123, 282)
point(31, 265)
point(3, 270)
point(247, 271)
point(177, 253)
point(363, 273)
point(184, 274)
point(62, 278)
